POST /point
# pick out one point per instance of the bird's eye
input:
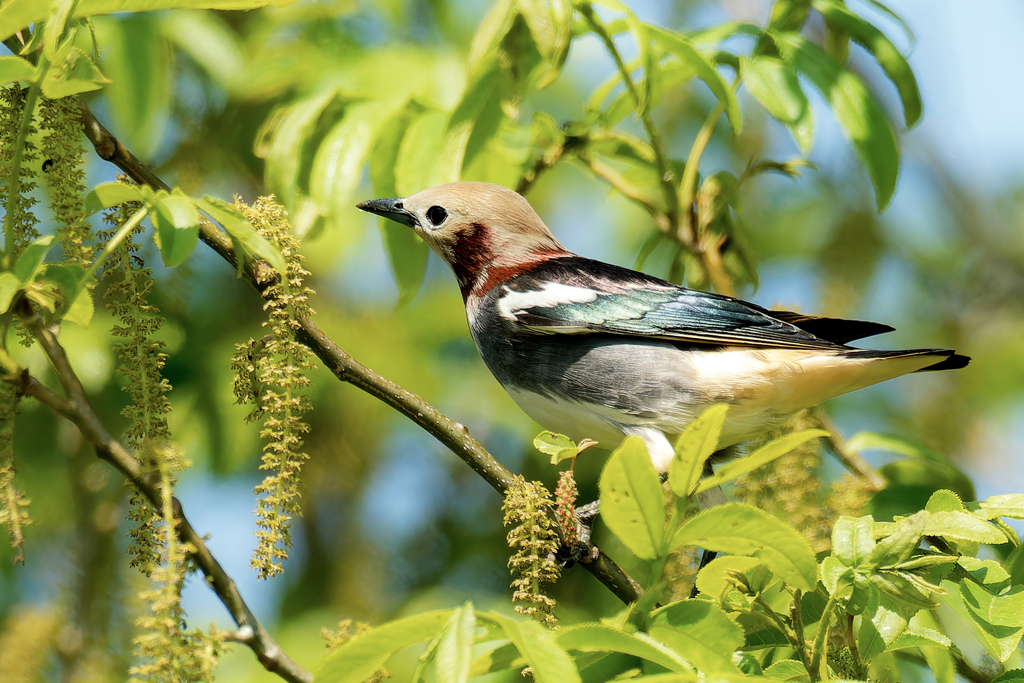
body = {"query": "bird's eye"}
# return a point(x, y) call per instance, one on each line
point(436, 215)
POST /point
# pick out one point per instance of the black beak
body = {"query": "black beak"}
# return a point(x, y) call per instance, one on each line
point(389, 208)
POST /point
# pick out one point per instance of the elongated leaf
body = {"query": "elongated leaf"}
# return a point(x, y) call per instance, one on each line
point(775, 85)
point(602, 638)
point(138, 60)
point(1007, 505)
point(919, 638)
point(888, 56)
point(787, 670)
point(356, 660)
point(455, 646)
point(648, 60)
point(705, 70)
point(739, 529)
point(30, 260)
point(877, 628)
point(491, 31)
point(207, 39)
point(855, 109)
point(106, 195)
point(247, 242)
point(176, 220)
point(499, 659)
point(762, 456)
point(718, 33)
point(550, 23)
point(631, 499)
point(693, 447)
point(998, 621)
point(420, 152)
point(9, 286)
point(281, 139)
point(550, 663)
point(962, 526)
point(16, 69)
point(338, 164)
point(18, 14)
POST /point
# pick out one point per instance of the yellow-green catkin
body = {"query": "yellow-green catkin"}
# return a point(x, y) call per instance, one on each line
point(270, 375)
point(347, 630)
point(13, 503)
point(534, 541)
point(64, 171)
point(12, 111)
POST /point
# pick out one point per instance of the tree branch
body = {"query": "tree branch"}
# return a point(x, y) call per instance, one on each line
point(79, 411)
point(453, 435)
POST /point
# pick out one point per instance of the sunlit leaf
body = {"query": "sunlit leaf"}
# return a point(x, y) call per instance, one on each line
point(207, 39)
point(138, 60)
point(106, 195)
point(176, 220)
point(602, 638)
point(997, 621)
point(787, 670)
point(17, 69)
point(358, 659)
point(455, 645)
point(853, 540)
point(762, 456)
point(550, 663)
point(247, 242)
point(693, 447)
point(739, 529)
point(550, 22)
point(776, 86)
point(31, 258)
point(632, 504)
point(705, 70)
point(888, 56)
point(857, 112)
point(491, 31)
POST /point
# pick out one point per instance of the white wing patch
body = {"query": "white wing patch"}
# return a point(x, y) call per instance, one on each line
point(552, 294)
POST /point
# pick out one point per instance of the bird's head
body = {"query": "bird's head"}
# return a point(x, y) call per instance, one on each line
point(485, 232)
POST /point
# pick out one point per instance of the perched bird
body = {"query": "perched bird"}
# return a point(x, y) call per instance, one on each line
point(594, 350)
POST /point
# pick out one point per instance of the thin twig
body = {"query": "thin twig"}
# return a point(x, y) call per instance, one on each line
point(851, 460)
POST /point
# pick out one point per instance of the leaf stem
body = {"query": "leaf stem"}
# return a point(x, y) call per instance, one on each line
point(660, 159)
point(818, 647)
point(116, 240)
point(14, 182)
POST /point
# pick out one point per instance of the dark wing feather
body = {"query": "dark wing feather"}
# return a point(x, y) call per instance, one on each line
point(630, 303)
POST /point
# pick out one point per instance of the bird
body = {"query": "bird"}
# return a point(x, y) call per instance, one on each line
point(598, 351)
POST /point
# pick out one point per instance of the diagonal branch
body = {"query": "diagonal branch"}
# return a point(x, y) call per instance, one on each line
point(79, 411)
point(453, 435)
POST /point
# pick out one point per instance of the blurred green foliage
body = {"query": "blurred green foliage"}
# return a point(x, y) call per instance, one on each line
point(326, 103)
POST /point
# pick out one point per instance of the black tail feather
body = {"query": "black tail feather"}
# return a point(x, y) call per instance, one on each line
point(951, 360)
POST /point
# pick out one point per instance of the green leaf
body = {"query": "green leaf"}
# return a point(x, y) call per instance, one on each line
point(210, 42)
point(358, 659)
point(716, 34)
point(455, 645)
point(1011, 676)
point(888, 56)
point(72, 72)
point(648, 59)
point(499, 659)
point(762, 456)
point(997, 621)
point(176, 220)
point(9, 286)
point(962, 526)
point(775, 85)
point(787, 670)
point(901, 542)
point(31, 258)
point(632, 504)
point(1007, 505)
point(420, 151)
point(282, 138)
point(739, 529)
point(860, 117)
point(338, 164)
point(693, 447)
point(17, 69)
point(247, 242)
point(878, 627)
point(550, 23)
point(705, 621)
point(853, 540)
point(81, 309)
point(106, 195)
point(18, 14)
point(491, 31)
point(602, 638)
point(138, 60)
point(712, 579)
point(479, 107)
point(550, 663)
point(913, 637)
point(705, 70)
point(558, 446)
